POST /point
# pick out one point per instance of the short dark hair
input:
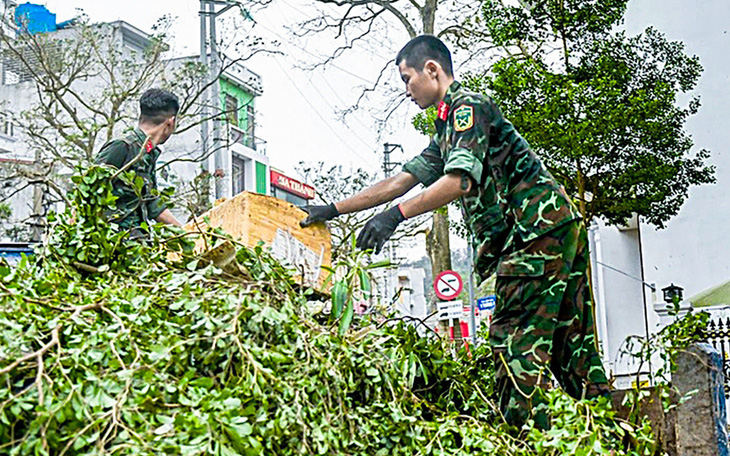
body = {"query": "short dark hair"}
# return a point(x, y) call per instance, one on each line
point(157, 105)
point(422, 49)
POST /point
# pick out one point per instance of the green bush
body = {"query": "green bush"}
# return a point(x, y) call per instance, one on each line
point(115, 347)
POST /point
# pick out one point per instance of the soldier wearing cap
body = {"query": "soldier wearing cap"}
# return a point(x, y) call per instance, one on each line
point(523, 226)
point(158, 109)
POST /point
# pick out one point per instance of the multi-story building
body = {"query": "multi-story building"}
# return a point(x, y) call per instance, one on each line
point(245, 162)
point(246, 165)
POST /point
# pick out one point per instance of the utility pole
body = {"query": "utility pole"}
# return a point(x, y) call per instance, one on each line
point(472, 308)
point(388, 168)
point(222, 158)
point(39, 211)
point(204, 98)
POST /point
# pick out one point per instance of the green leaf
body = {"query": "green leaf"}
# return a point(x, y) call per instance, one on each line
point(364, 281)
point(339, 296)
point(379, 264)
point(205, 382)
point(232, 403)
point(346, 319)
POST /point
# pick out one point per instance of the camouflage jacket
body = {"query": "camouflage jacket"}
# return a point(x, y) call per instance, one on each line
point(133, 210)
point(515, 195)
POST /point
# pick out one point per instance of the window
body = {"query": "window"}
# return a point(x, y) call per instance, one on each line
point(250, 124)
point(290, 197)
point(238, 174)
point(6, 125)
point(231, 107)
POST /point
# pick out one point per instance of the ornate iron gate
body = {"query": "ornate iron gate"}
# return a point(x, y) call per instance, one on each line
point(718, 335)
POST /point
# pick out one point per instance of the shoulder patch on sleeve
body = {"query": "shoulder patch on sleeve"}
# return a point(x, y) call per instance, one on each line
point(463, 118)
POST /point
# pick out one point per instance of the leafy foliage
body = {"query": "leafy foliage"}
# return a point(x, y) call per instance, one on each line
point(599, 107)
point(667, 343)
point(352, 284)
point(664, 347)
point(146, 349)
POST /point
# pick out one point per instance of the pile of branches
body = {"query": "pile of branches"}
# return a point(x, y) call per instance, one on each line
point(109, 346)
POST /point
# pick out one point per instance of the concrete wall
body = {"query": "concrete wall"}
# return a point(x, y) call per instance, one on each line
point(412, 300)
point(621, 310)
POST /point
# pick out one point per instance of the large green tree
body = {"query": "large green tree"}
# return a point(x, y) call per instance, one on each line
point(600, 107)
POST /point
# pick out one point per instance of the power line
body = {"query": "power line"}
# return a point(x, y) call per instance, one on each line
point(286, 42)
point(336, 94)
point(333, 109)
point(314, 55)
point(362, 48)
point(649, 285)
point(322, 96)
point(318, 114)
point(309, 80)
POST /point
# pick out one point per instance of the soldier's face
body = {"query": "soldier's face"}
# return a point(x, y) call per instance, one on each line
point(421, 85)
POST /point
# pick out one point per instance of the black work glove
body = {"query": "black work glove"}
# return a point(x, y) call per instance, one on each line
point(319, 214)
point(379, 229)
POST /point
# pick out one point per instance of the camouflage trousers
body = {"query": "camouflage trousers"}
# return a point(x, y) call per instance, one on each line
point(543, 324)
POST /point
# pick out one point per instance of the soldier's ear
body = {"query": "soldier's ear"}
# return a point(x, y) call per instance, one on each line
point(431, 68)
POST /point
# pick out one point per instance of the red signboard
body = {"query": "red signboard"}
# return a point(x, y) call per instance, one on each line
point(290, 185)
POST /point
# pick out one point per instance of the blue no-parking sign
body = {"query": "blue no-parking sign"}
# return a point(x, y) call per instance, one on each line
point(487, 303)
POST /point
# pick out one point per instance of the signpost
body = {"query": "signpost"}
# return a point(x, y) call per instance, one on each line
point(290, 185)
point(448, 285)
point(486, 306)
point(487, 303)
point(450, 310)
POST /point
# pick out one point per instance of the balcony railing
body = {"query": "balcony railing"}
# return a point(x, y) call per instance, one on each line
point(239, 136)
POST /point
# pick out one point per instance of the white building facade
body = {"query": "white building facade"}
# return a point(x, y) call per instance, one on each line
point(632, 264)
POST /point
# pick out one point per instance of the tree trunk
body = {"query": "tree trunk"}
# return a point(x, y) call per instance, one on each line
point(583, 208)
point(39, 212)
point(428, 16)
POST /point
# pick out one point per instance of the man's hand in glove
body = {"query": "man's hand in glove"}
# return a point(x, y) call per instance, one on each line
point(319, 214)
point(379, 229)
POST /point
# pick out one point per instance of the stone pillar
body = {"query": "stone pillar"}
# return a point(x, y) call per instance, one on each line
point(701, 419)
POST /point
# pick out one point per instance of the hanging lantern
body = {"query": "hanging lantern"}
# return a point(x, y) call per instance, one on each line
point(671, 293)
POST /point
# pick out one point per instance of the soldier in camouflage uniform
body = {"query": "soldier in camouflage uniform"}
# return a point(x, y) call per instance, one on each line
point(523, 225)
point(158, 109)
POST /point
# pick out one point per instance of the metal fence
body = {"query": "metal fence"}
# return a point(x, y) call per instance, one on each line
point(718, 335)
